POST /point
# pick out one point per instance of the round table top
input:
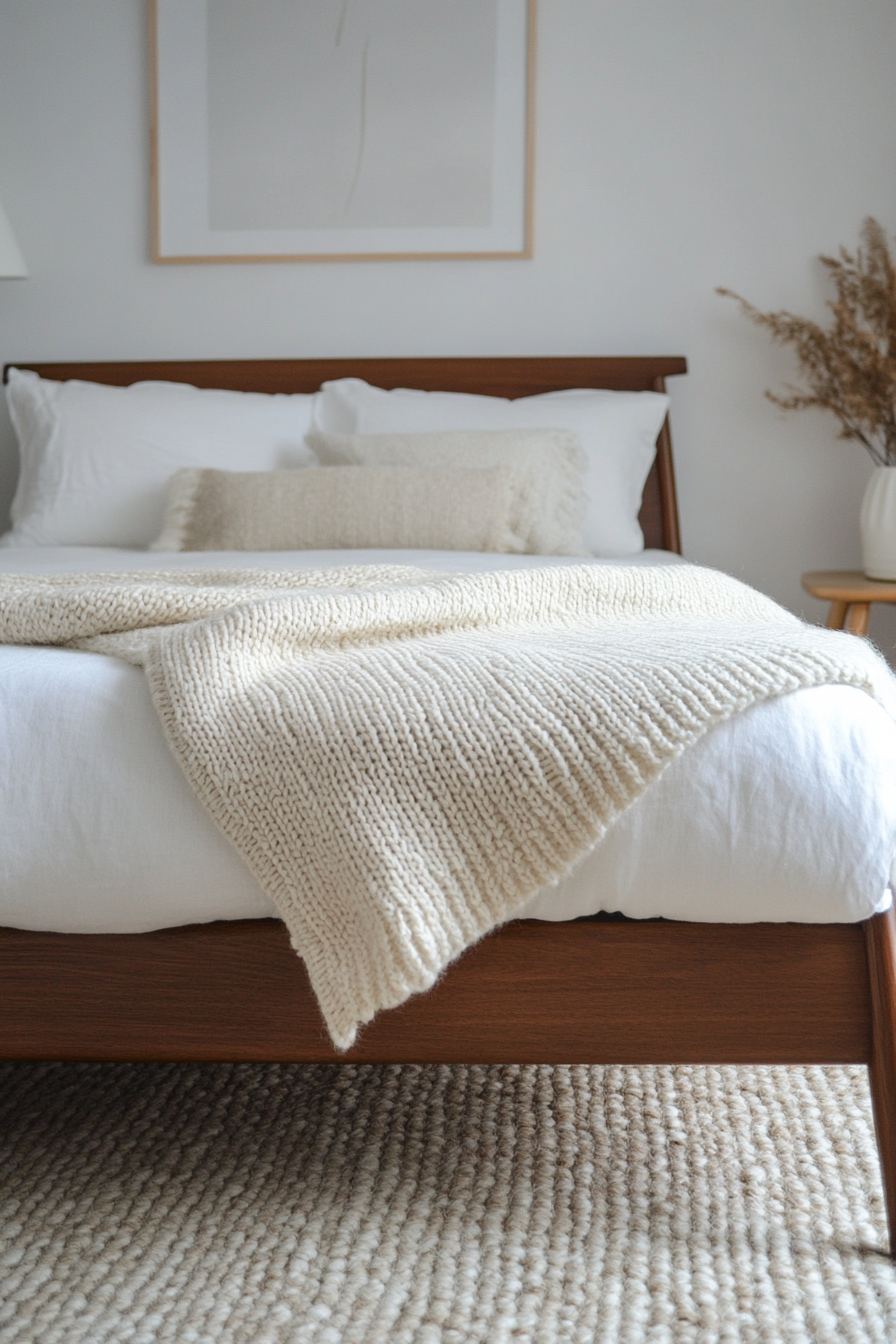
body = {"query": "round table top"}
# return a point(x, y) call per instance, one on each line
point(848, 585)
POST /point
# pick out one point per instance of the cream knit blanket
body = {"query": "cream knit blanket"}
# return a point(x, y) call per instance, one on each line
point(402, 759)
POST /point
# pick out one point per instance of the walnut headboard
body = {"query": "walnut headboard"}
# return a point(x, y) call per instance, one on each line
point(490, 377)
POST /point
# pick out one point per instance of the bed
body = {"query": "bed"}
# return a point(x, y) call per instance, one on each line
point(604, 989)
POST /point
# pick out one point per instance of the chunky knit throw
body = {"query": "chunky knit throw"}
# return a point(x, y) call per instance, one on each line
point(402, 759)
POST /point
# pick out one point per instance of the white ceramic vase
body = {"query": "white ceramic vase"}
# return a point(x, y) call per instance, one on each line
point(878, 520)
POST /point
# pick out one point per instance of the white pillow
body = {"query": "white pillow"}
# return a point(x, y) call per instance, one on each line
point(549, 463)
point(617, 430)
point(96, 461)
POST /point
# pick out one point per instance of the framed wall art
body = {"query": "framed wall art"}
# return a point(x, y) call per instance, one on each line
point(324, 130)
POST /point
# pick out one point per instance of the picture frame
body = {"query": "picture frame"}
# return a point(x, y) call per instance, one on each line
point(341, 130)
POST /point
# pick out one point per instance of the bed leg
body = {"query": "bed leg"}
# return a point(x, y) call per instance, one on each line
point(880, 936)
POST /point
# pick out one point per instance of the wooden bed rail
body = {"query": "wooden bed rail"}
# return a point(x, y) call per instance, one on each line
point(501, 376)
point(594, 991)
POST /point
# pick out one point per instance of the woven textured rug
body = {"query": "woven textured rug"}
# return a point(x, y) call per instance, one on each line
point(217, 1204)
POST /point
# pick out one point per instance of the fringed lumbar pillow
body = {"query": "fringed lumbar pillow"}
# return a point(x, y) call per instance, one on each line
point(436, 508)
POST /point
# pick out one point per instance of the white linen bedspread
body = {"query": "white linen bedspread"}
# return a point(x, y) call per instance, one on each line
point(786, 812)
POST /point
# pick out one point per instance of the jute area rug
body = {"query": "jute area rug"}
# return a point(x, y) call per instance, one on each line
point(206, 1204)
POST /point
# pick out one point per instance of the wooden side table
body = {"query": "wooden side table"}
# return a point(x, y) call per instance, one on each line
point(850, 594)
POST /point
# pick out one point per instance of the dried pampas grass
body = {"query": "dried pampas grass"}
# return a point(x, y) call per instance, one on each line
point(850, 368)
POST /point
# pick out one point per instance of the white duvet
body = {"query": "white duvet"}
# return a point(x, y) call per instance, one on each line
point(787, 812)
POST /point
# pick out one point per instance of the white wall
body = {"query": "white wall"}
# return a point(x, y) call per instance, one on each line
point(679, 146)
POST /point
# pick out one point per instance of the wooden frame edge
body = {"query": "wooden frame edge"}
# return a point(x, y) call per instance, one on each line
point(118, 373)
point(275, 257)
point(665, 466)
point(153, 43)
point(529, 204)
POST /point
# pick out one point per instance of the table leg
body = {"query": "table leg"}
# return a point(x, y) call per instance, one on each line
point(857, 620)
point(837, 615)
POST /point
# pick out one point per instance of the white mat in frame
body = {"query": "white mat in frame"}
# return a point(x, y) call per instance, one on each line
point(425, 151)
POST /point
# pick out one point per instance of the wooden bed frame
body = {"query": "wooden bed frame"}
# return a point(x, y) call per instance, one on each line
point(597, 991)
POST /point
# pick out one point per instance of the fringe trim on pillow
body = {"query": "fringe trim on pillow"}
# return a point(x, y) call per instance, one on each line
point(182, 491)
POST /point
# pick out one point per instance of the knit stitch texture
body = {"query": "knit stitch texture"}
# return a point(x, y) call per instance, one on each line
point(402, 759)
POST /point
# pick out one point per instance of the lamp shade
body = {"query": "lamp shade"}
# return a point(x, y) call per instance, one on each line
point(12, 263)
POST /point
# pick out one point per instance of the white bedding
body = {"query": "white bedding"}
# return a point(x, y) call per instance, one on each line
point(787, 812)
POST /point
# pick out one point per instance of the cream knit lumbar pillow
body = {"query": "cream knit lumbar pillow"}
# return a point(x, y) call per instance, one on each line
point(340, 508)
point(550, 462)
